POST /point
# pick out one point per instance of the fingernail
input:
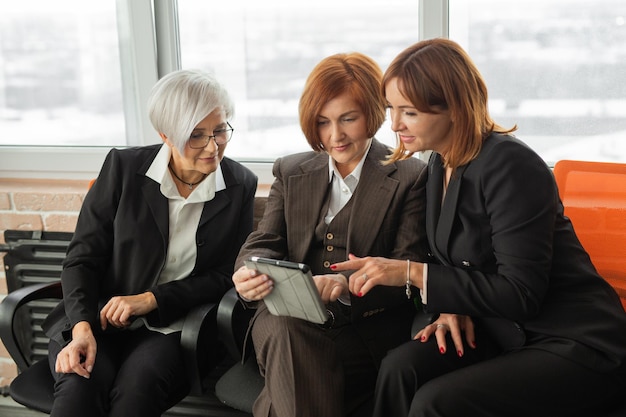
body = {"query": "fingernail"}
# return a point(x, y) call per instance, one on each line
point(89, 368)
point(442, 350)
point(333, 267)
point(473, 344)
point(458, 352)
point(423, 338)
point(360, 294)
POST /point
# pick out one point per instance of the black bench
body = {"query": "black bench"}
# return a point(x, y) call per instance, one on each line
point(33, 267)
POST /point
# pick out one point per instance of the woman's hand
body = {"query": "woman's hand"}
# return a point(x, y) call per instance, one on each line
point(79, 355)
point(455, 324)
point(251, 285)
point(119, 310)
point(331, 287)
point(370, 272)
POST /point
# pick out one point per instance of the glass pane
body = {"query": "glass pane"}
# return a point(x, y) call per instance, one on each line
point(553, 67)
point(263, 52)
point(60, 78)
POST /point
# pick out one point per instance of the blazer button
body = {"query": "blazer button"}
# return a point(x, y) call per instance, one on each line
point(329, 236)
point(326, 264)
point(329, 248)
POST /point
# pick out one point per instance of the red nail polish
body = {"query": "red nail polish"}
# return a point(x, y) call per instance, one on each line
point(360, 294)
point(473, 344)
point(442, 350)
point(458, 352)
point(333, 267)
point(423, 338)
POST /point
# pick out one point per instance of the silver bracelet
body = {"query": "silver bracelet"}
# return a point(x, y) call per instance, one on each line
point(408, 279)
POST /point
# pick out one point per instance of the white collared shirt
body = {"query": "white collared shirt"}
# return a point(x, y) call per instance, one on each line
point(184, 217)
point(342, 188)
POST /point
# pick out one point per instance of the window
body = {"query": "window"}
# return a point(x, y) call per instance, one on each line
point(553, 67)
point(75, 75)
point(60, 80)
point(263, 52)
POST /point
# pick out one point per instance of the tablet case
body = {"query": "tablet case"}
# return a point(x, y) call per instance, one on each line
point(294, 293)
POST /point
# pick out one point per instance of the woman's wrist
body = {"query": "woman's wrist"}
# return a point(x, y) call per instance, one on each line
point(80, 329)
point(150, 300)
point(413, 274)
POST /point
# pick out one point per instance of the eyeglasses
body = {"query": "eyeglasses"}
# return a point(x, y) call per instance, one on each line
point(221, 136)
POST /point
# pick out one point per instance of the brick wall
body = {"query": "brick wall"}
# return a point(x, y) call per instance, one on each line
point(28, 204)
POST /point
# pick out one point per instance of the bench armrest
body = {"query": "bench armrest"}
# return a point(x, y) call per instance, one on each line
point(8, 309)
point(199, 345)
point(232, 323)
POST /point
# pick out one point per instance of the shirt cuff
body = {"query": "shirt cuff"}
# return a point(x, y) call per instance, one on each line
point(424, 283)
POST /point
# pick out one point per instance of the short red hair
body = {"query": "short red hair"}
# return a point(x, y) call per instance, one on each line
point(353, 73)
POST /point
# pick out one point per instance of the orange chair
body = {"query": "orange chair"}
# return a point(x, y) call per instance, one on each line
point(594, 196)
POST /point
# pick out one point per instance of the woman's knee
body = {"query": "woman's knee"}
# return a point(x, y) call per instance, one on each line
point(404, 358)
point(268, 328)
point(75, 395)
point(434, 400)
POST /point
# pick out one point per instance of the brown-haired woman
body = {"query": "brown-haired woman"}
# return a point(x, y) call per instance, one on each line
point(323, 205)
point(523, 324)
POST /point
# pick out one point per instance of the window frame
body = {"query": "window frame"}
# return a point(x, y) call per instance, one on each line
point(149, 47)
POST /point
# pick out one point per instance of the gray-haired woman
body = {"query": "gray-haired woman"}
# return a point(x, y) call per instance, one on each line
point(157, 235)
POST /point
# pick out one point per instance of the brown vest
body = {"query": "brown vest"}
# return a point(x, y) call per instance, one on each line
point(329, 247)
point(330, 240)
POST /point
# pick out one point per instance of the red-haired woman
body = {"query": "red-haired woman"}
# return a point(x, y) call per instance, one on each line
point(323, 205)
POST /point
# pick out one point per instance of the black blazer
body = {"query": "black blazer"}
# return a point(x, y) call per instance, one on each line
point(513, 254)
point(121, 238)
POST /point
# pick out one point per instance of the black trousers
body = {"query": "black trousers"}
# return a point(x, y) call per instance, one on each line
point(138, 373)
point(416, 380)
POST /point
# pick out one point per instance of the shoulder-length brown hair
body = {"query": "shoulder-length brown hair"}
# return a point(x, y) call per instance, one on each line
point(437, 74)
point(352, 73)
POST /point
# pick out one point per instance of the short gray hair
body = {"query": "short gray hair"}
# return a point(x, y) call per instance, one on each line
point(182, 99)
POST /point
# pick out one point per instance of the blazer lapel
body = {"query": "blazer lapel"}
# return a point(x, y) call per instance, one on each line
point(434, 194)
point(448, 210)
point(158, 206)
point(213, 207)
point(222, 198)
point(306, 197)
point(375, 184)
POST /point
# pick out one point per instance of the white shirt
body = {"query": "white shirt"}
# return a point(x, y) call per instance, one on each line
point(425, 282)
point(342, 188)
point(184, 217)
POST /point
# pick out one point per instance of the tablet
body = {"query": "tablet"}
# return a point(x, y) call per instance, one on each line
point(294, 293)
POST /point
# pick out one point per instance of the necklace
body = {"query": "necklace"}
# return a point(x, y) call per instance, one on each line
point(188, 184)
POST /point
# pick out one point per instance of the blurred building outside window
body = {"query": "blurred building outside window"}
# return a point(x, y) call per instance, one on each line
point(553, 67)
